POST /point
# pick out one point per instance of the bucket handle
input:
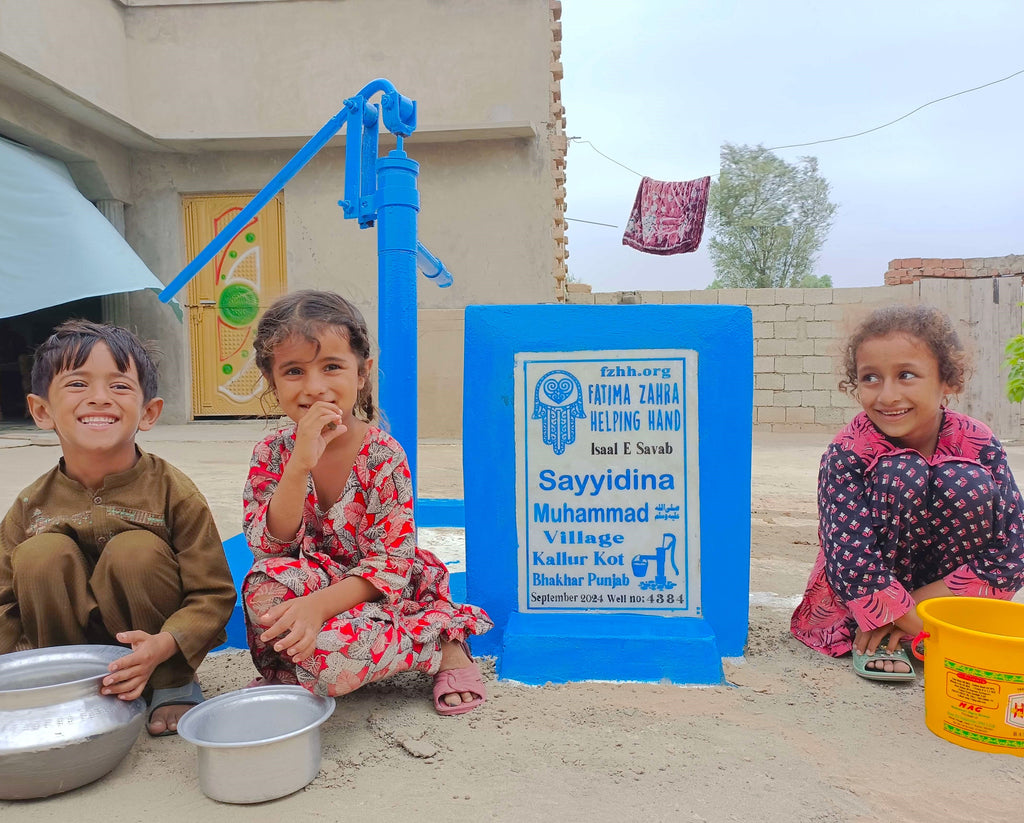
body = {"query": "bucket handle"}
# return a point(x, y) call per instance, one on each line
point(917, 641)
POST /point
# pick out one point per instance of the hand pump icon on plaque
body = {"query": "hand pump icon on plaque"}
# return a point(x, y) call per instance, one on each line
point(667, 550)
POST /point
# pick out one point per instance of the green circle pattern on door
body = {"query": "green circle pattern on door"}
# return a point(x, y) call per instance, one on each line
point(238, 304)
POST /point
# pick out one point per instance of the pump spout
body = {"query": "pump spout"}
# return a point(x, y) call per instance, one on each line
point(431, 267)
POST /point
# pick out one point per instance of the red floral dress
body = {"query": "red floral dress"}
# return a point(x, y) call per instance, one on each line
point(368, 532)
point(891, 521)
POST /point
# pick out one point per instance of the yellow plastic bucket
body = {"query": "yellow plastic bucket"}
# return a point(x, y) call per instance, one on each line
point(974, 672)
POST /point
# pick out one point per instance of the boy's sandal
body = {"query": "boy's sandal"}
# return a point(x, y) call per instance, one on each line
point(900, 655)
point(455, 681)
point(188, 695)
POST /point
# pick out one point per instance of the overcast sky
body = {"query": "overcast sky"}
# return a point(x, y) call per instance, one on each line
point(660, 84)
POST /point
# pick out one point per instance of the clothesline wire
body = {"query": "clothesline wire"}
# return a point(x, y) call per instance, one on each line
point(592, 222)
point(902, 117)
point(605, 156)
point(830, 139)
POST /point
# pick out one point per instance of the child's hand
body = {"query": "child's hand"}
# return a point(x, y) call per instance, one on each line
point(888, 637)
point(318, 427)
point(884, 637)
point(296, 623)
point(130, 674)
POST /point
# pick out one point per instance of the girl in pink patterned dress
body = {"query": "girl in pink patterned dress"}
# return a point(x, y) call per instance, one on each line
point(339, 594)
point(914, 500)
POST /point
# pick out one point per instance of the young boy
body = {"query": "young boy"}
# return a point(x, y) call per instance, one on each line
point(113, 545)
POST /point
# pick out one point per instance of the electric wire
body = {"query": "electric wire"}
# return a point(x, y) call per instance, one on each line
point(591, 222)
point(897, 120)
point(605, 156)
point(831, 139)
point(813, 142)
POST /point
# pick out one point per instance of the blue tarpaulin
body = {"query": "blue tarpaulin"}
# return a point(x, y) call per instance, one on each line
point(55, 246)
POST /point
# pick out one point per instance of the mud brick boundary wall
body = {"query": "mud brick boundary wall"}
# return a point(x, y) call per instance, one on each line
point(912, 269)
point(799, 333)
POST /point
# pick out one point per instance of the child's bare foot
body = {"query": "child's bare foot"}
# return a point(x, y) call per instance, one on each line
point(168, 705)
point(887, 666)
point(164, 720)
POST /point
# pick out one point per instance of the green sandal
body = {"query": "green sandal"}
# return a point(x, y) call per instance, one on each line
point(860, 662)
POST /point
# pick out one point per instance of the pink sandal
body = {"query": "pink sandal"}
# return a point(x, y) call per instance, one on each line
point(450, 681)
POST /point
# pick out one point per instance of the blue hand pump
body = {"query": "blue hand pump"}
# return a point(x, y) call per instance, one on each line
point(381, 190)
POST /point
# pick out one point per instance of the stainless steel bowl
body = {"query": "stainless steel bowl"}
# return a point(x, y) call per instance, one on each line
point(57, 732)
point(257, 744)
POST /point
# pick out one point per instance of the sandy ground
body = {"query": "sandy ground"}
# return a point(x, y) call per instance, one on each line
point(794, 736)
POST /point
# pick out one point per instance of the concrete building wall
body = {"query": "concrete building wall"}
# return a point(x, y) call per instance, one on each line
point(214, 70)
point(77, 48)
point(471, 63)
point(479, 236)
point(152, 100)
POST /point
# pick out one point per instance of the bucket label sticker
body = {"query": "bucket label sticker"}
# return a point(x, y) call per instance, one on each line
point(975, 705)
point(607, 485)
point(988, 674)
point(1015, 710)
point(972, 692)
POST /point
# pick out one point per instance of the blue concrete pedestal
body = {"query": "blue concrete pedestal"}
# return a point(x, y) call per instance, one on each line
point(563, 648)
point(528, 367)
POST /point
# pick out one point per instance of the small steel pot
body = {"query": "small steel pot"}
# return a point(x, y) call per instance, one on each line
point(57, 732)
point(257, 744)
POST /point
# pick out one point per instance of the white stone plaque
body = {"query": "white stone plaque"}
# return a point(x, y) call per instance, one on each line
point(607, 497)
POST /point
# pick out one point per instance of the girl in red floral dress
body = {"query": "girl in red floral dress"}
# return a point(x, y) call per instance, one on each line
point(914, 500)
point(339, 594)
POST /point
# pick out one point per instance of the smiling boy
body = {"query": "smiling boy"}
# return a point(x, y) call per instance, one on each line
point(113, 545)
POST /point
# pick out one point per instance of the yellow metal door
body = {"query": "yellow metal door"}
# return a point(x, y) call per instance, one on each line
point(226, 300)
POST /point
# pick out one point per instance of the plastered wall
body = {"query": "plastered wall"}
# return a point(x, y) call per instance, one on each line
point(150, 101)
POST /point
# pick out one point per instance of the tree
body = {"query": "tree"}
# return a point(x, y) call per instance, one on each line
point(768, 219)
point(1015, 364)
point(813, 281)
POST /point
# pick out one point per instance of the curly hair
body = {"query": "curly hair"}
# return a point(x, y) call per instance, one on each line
point(71, 344)
point(307, 314)
point(929, 325)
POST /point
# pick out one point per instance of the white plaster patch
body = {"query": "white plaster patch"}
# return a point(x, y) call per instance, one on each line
point(448, 544)
point(774, 601)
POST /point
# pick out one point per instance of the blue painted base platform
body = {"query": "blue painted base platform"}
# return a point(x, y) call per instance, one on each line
point(440, 513)
point(633, 647)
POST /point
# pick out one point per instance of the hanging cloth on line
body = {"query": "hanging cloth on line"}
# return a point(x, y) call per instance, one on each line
point(667, 218)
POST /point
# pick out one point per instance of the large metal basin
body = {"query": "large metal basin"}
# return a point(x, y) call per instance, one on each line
point(257, 744)
point(57, 732)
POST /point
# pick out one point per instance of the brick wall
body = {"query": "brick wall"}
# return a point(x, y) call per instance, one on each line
point(798, 335)
point(559, 145)
point(912, 269)
point(798, 340)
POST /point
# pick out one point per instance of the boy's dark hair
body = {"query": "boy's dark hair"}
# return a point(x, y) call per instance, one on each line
point(307, 314)
point(929, 325)
point(71, 344)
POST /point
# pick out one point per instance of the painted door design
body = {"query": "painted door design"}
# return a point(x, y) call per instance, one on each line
point(226, 300)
